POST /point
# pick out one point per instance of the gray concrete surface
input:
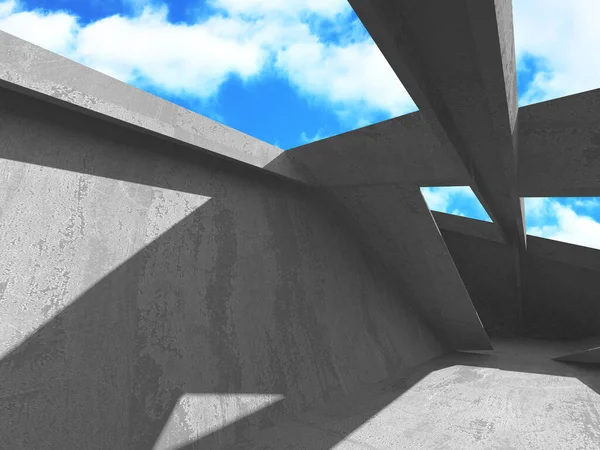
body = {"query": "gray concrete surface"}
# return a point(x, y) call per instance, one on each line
point(456, 60)
point(399, 150)
point(471, 227)
point(396, 224)
point(515, 397)
point(560, 299)
point(589, 356)
point(154, 295)
point(560, 147)
point(587, 352)
point(167, 282)
point(488, 272)
point(560, 283)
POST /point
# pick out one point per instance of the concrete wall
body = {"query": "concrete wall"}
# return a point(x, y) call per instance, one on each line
point(148, 289)
point(560, 299)
point(488, 271)
point(559, 284)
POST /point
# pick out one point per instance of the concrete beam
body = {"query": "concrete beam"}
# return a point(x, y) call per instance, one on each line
point(470, 227)
point(399, 150)
point(576, 255)
point(559, 143)
point(456, 59)
point(397, 226)
point(34, 71)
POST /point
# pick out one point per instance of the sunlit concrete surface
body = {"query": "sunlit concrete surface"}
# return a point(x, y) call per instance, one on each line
point(512, 398)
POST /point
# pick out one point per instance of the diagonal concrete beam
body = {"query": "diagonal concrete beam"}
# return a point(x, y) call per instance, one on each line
point(559, 143)
point(456, 59)
point(398, 150)
point(396, 225)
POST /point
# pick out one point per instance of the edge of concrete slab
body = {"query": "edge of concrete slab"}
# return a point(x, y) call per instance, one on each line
point(34, 71)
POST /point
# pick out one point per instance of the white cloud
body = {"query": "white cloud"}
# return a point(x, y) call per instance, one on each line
point(441, 198)
point(54, 31)
point(246, 38)
point(193, 59)
point(554, 220)
point(355, 74)
point(7, 7)
point(306, 139)
point(324, 8)
point(565, 35)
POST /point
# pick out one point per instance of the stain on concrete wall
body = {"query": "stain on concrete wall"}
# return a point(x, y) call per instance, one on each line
point(136, 273)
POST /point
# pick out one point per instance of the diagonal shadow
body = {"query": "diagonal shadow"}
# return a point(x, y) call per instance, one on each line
point(336, 422)
point(325, 427)
point(108, 369)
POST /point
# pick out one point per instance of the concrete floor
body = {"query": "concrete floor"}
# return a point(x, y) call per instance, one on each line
point(515, 397)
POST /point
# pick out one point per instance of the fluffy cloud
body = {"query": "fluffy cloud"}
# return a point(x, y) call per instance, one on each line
point(306, 139)
point(254, 8)
point(558, 220)
point(193, 59)
point(242, 38)
point(357, 73)
point(54, 31)
point(442, 198)
point(562, 36)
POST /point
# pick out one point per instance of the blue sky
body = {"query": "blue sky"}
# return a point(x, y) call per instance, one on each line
point(293, 71)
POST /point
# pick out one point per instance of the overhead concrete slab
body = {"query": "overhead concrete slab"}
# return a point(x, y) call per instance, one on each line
point(559, 143)
point(456, 60)
point(576, 255)
point(37, 72)
point(467, 226)
point(399, 150)
point(395, 223)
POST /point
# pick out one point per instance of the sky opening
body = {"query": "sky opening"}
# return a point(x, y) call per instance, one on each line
point(575, 220)
point(288, 72)
point(457, 200)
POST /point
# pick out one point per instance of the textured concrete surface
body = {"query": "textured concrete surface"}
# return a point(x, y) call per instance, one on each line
point(152, 294)
point(515, 397)
point(399, 150)
point(470, 227)
point(396, 224)
point(589, 356)
point(488, 271)
point(167, 282)
point(456, 60)
point(588, 352)
point(576, 255)
point(560, 298)
point(559, 143)
point(560, 282)
point(38, 72)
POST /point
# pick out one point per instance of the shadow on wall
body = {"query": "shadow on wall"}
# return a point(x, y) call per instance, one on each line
point(225, 301)
point(108, 370)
